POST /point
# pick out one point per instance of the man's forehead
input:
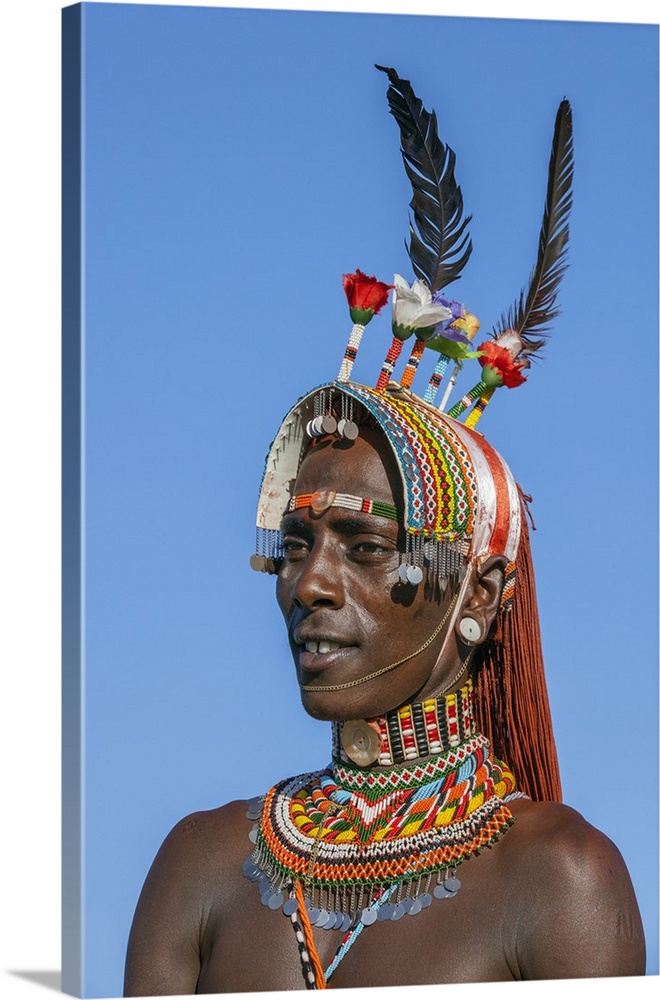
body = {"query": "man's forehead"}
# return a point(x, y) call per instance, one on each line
point(364, 467)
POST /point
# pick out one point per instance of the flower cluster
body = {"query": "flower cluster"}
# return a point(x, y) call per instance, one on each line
point(501, 362)
point(453, 335)
point(414, 311)
point(366, 296)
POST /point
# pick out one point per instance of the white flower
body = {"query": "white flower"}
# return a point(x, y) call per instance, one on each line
point(413, 307)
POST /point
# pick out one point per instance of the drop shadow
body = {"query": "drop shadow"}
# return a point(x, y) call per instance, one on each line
point(49, 980)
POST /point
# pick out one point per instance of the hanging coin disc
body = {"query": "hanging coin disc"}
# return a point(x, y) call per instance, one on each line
point(348, 429)
point(414, 574)
point(328, 424)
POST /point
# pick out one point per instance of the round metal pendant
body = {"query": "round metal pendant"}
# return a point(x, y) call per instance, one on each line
point(254, 807)
point(257, 562)
point(250, 870)
point(361, 741)
point(348, 429)
point(321, 500)
point(328, 424)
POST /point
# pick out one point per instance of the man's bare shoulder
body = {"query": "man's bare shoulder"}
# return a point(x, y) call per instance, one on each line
point(208, 841)
point(576, 912)
point(550, 838)
point(194, 874)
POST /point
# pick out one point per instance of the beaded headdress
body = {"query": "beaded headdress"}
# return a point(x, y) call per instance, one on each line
point(461, 502)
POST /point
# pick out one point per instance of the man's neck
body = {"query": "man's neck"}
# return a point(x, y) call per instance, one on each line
point(407, 734)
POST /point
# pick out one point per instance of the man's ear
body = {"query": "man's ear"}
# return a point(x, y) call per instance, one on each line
point(481, 602)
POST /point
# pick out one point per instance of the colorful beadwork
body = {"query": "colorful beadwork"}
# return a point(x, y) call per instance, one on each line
point(424, 729)
point(347, 833)
point(467, 399)
point(350, 353)
point(473, 417)
point(346, 500)
point(412, 364)
point(391, 359)
point(459, 496)
point(439, 370)
point(343, 847)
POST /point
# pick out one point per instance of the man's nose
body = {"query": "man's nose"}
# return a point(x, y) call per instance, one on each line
point(318, 583)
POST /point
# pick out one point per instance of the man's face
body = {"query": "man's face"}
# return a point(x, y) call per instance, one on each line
point(339, 585)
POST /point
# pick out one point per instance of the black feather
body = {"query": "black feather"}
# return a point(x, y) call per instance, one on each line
point(536, 307)
point(440, 244)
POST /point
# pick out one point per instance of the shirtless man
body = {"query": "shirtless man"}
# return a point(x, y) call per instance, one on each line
point(399, 540)
point(551, 899)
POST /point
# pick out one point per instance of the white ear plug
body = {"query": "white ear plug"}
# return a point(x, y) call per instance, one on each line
point(469, 629)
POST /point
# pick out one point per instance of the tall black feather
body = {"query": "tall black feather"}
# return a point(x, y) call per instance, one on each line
point(440, 244)
point(536, 306)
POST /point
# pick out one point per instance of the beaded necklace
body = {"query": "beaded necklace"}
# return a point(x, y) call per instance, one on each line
point(345, 846)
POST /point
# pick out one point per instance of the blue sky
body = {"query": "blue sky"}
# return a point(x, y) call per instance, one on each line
point(236, 164)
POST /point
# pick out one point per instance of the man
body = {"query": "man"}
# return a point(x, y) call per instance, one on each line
point(434, 848)
point(551, 899)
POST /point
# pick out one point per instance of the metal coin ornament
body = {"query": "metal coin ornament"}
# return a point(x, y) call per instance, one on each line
point(327, 423)
point(321, 500)
point(255, 807)
point(361, 741)
point(319, 426)
point(258, 563)
point(348, 429)
point(414, 575)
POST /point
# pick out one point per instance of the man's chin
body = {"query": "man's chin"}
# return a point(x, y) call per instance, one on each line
point(338, 706)
point(325, 706)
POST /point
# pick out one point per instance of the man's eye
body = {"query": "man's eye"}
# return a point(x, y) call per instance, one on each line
point(373, 547)
point(293, 547)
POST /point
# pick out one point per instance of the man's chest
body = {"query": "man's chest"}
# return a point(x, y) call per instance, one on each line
point(467, 938)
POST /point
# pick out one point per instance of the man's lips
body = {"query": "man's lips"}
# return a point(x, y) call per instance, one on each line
point(317, 652)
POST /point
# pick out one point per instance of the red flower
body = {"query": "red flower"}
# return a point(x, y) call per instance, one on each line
point(500, 367)
point(366, 296)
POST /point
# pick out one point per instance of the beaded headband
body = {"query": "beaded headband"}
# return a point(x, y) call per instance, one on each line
point(461, 503)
